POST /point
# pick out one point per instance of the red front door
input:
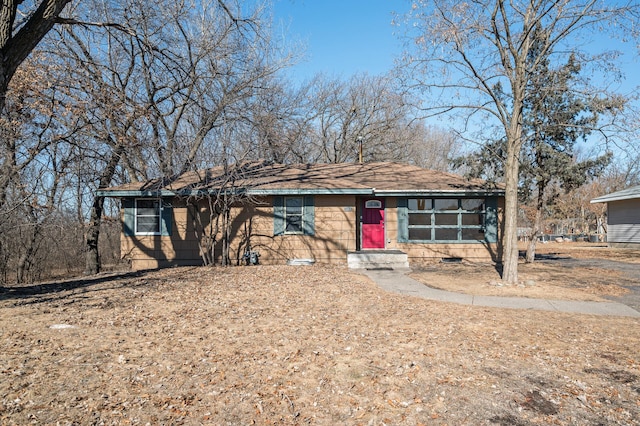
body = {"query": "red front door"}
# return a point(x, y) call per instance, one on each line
point(373, 224)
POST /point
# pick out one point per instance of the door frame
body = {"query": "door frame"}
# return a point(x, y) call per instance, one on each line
point(361, 205)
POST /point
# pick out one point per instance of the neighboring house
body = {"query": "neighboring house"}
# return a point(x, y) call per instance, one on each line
point(623, 217)
point(310, 211)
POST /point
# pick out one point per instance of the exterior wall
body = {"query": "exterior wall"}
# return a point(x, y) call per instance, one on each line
point(251, 227)
point(623, 222)
point(336, 233)
point(157, 251)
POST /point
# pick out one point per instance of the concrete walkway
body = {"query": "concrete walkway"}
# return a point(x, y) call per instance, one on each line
point(397, 281)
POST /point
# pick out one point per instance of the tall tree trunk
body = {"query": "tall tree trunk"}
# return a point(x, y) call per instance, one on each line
point(25, 260)
point(4, 88)
point(533, 241)
point(226, 234)
point(8, 166)
point(510, 255)
point(92, 258)
point(537, 224)
point(512, 174)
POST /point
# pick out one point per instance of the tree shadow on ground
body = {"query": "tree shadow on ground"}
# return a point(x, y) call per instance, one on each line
point(544, 256)
point(50, 288)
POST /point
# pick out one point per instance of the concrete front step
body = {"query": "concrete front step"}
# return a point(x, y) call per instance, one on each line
point(377, 259)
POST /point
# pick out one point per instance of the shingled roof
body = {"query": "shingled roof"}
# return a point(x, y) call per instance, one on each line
point(263, 178)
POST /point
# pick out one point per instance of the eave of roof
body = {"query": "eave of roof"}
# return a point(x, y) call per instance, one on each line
point(135, 193)
point(260, 178)
point(250, 191)
point(625, 194)
point(303, 191)
point(438, 192)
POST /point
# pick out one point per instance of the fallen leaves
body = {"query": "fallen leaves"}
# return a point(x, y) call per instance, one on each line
point(299, 345)
point(571, 272)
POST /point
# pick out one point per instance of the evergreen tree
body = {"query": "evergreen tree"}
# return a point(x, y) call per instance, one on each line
point(555, 118)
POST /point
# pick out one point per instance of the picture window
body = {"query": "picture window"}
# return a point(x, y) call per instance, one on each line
point(446, 219)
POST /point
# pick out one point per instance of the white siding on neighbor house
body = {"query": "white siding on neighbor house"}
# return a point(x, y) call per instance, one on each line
point(623, 221)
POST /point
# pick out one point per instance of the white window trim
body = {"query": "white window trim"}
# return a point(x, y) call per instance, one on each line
point(159, 215)
point(301, 231)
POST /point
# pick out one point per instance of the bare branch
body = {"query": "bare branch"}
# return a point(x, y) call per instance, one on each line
point(85, 24)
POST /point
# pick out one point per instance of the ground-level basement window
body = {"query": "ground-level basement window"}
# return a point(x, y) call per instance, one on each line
point(429, 220)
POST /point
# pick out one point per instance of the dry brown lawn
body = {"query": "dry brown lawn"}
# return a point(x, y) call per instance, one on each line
point(549, 279)
point(301, 345)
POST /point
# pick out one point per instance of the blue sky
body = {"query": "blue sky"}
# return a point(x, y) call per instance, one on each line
point(341, 37)
point(344, 37)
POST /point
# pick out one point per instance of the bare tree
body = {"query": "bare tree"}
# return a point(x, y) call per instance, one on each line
point(204, 69)
point(365, 111)
point(592, 217)
point(278, 123)
point(37, 142)
point(473, 57)
point(22, 27)
point(212, 203)
point(102, 84)
point(432, 147)
point(157, 93)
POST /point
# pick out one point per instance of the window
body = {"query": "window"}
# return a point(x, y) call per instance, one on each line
point(293, 215)
point(148, 217)
point(445, 219)
point(293, 208)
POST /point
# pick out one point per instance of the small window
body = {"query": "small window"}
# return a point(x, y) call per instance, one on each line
point(148, 217)
point(373, 204)
point(293, 213)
